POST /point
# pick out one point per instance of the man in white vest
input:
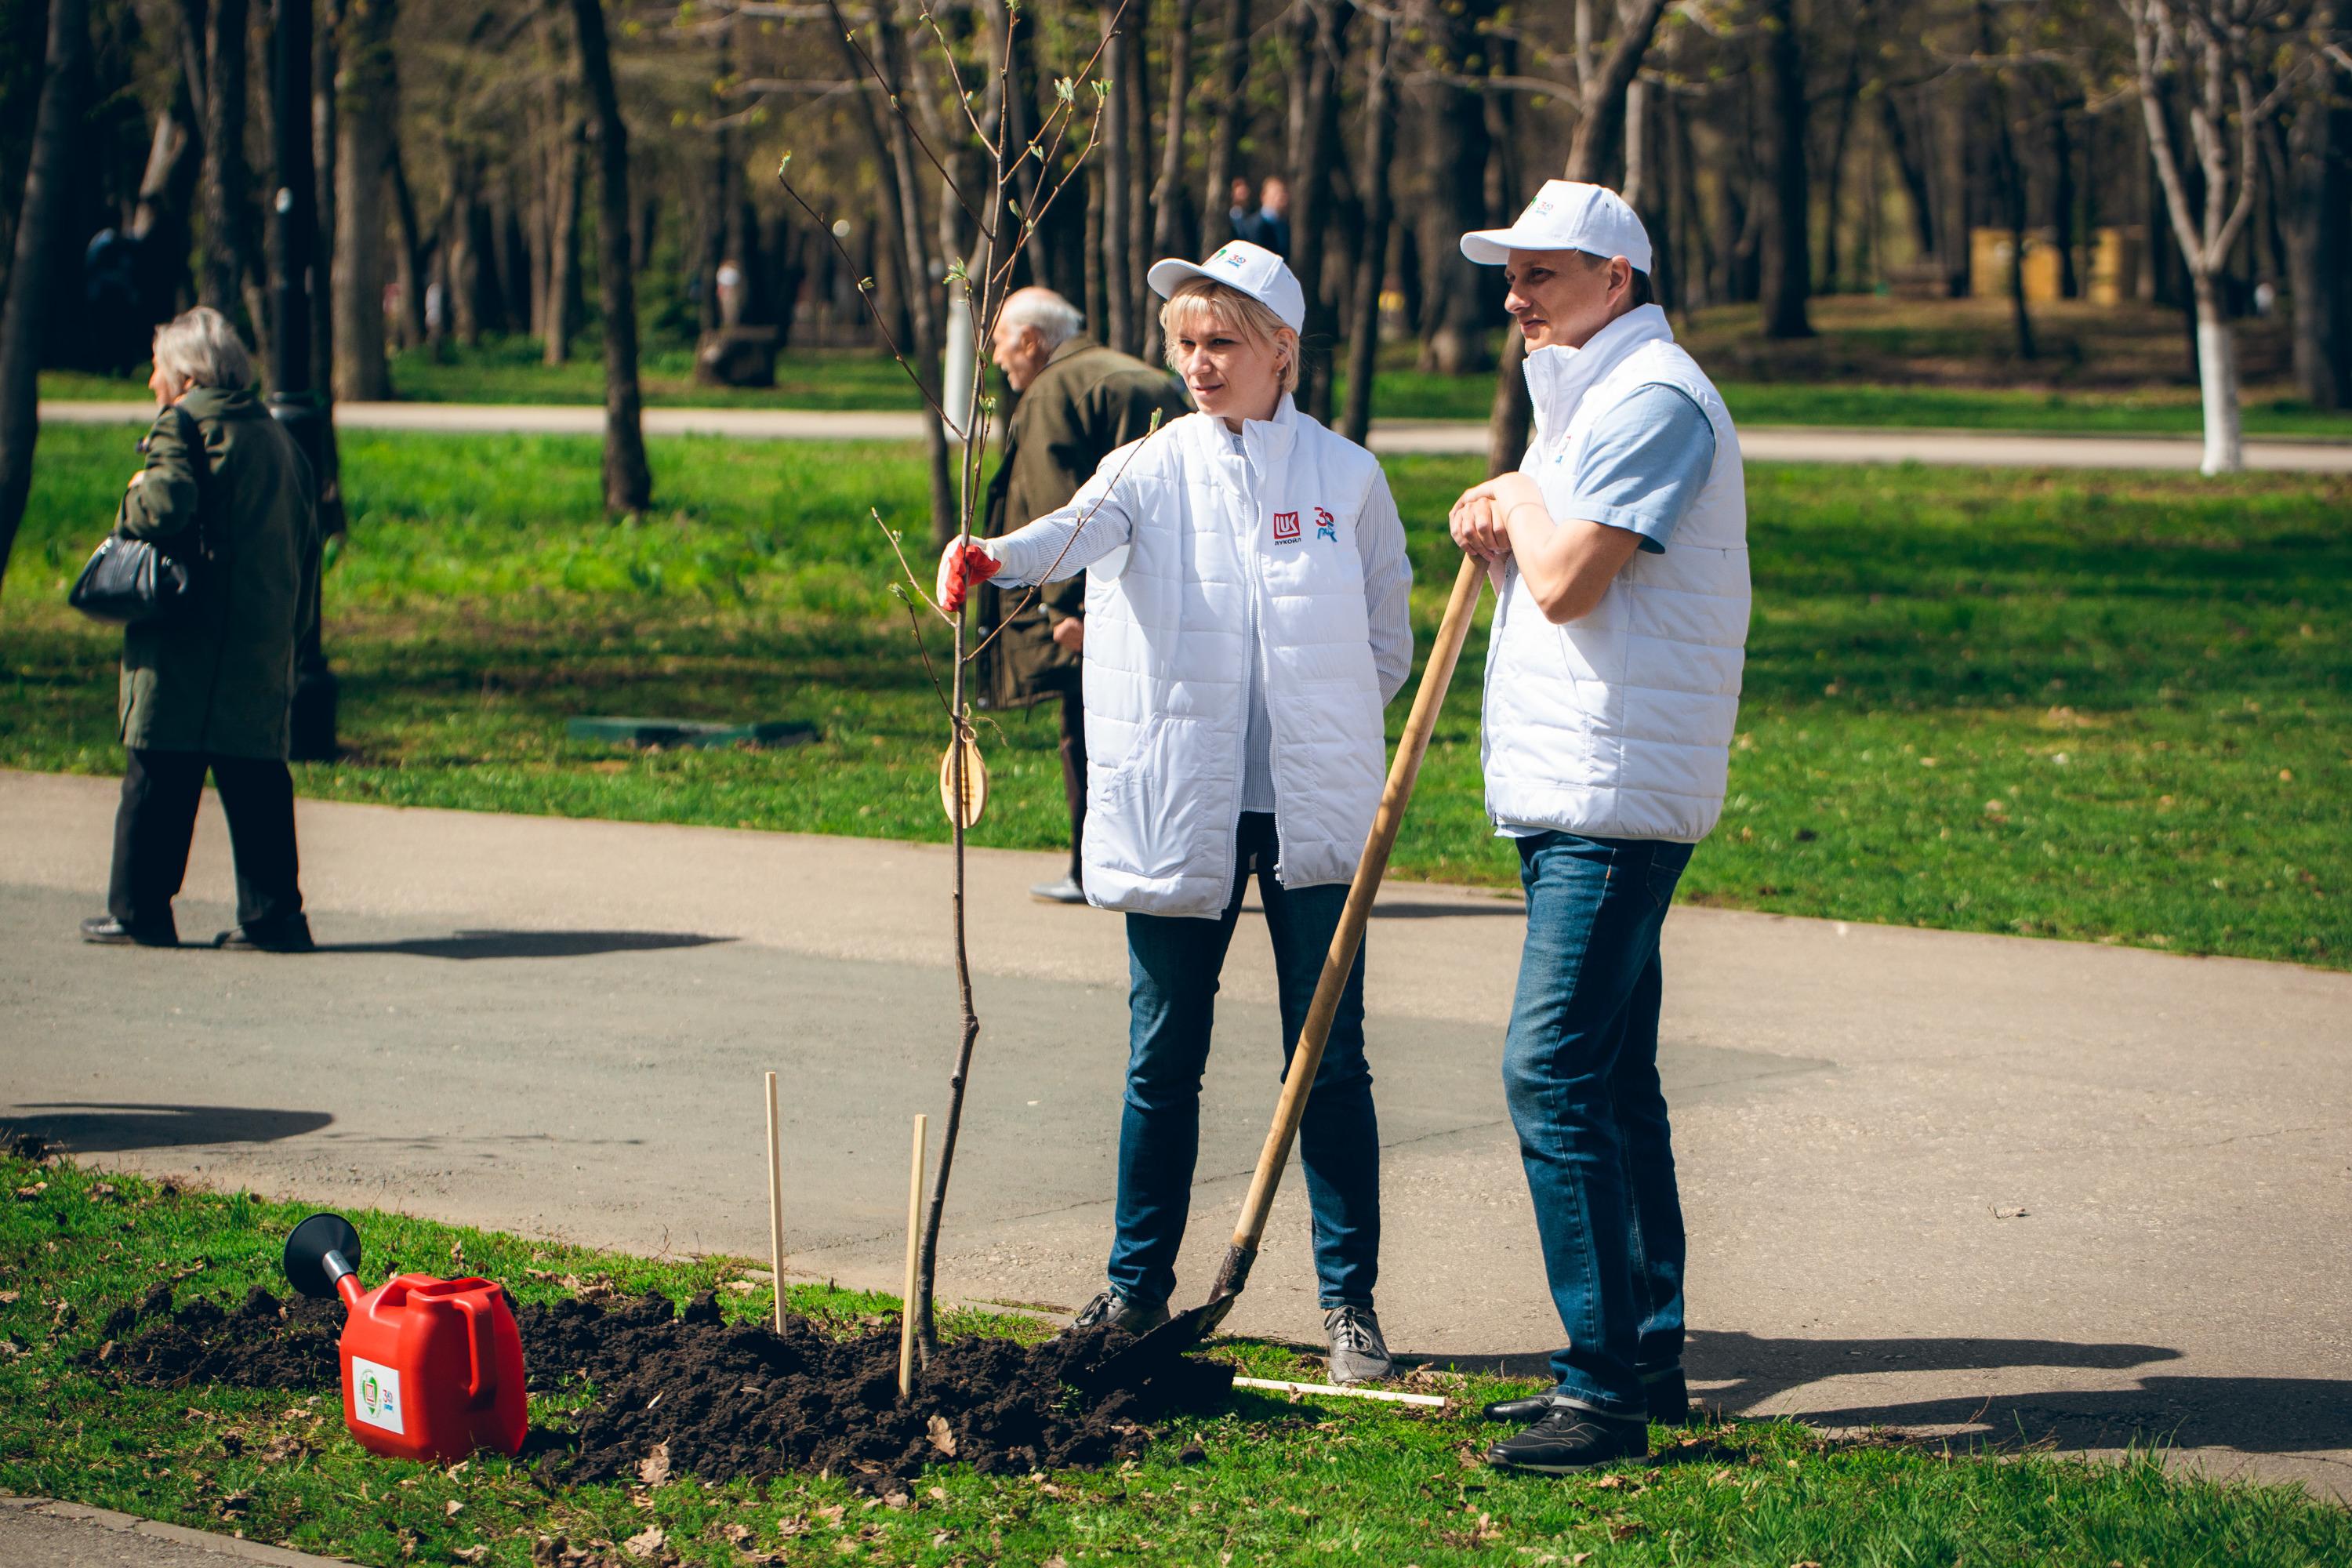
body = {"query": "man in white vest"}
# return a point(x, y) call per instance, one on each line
point(1620, 555)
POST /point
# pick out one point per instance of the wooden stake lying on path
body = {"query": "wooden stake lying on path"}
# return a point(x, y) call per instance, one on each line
point(776, 1201)
point(914, 1233)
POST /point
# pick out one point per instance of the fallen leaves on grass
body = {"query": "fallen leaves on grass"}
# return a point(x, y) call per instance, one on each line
point(646, 1542)
point(942, 1437)
point(654, 1468)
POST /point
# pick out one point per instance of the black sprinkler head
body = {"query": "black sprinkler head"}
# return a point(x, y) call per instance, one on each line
point(320, 1251)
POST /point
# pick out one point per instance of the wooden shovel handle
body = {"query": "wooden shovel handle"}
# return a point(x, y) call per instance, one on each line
point(1436, 676)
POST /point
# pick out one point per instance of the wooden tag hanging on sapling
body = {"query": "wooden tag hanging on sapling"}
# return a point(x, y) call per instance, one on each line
point(975, 783)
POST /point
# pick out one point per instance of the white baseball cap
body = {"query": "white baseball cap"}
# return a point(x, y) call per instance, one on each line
point(1567, 214)
point(1252, 269)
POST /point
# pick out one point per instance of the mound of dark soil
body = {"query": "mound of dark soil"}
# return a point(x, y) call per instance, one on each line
point(721, 1400)
point(262, 1344)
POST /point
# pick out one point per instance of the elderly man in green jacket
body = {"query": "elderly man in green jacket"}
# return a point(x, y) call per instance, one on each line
point(1078, 402)
point(207, 691)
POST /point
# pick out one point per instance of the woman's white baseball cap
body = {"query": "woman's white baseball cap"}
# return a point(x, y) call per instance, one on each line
point(1567, 214)
point(1252, 268)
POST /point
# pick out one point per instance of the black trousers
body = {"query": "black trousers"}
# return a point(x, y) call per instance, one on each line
point(1074, 771)
point(158, 817)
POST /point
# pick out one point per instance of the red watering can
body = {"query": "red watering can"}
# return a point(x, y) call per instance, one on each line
point(431, 1368)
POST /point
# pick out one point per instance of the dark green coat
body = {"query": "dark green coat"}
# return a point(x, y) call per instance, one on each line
point(217, 677)
point(1087, 403)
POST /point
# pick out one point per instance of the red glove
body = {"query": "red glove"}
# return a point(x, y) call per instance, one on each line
point(964, 567)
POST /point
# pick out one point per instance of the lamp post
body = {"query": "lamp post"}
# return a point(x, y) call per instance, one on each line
point(293, 401)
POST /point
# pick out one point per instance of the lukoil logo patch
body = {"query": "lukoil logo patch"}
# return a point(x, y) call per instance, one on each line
point(1286, 527)
point(375, 1394)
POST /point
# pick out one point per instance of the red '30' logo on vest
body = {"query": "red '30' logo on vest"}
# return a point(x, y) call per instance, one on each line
point(1286, 527)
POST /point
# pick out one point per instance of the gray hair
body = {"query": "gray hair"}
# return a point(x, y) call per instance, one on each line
point(1053, 319)
point(201, 349)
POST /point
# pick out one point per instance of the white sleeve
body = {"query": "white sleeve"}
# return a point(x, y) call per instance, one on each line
point(1387, 586)
point(1098, 521)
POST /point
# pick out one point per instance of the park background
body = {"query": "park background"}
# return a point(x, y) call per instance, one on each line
point(2008, 697)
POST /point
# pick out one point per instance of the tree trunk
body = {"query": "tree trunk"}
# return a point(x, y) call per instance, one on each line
point(2318, 207)
point(2062, 224)
point(36, 270)
point(2217, 378)
point(1787, 272)
point(1913, 172)
point(1168, 228)
point(409, 260)
point(1834, 165)
point(369, 104)
point(1229, 110)
point(893, 145)
point(326, 180)
point(1311, 221)
point(1135, 86)
point(564, 306)
point(162, 220)
point(1118, 322)
point(228, 257)
point(1372, 254)
point(1451, 135)
point(628, 483)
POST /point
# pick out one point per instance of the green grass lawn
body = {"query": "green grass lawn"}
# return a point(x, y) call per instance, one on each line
point(2108, 706)
point(1314, 1482)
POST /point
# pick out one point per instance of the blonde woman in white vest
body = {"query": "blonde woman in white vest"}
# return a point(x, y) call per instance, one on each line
point(1246, 623)
point(1619, 553)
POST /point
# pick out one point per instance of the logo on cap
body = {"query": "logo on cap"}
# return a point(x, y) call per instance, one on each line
point(1286, 527)
point(1230, 257)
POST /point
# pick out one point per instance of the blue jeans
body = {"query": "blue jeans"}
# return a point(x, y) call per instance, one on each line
point(1172, 964)
point(1580, 1072)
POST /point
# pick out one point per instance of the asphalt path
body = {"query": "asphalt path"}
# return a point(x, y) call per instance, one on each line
point(1769, 444)
point(2000, 1189)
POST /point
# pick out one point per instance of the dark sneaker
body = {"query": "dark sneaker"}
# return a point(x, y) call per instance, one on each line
point(1065, 891)
point(108, 931)
point(1668, 1395)
point(1359, 1353)
point(1114, 1310)
point(1572, 1438)
point(291, 934)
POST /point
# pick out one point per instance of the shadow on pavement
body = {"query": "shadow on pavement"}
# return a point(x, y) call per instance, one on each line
point(472, 944)
point(83, 1128)
point(2252, 1414)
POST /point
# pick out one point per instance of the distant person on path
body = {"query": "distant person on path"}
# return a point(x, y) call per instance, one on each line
point(1620, 555)
point(1078, 402)
point(207, 690)
point(1248, 621)
point(1269, 225)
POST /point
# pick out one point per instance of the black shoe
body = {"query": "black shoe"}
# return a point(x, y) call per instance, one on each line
point(109, 932)
point(291, 934)
point(1112, 1310)
point(1668, 1394)
point(1569, 1438)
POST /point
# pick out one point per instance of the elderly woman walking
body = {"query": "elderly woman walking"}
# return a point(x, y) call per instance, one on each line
point(1246, 624)
point(207, 690)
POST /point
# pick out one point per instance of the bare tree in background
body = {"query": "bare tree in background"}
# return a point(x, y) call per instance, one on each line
point(1228, 109)
point(1372, 254)
point(34, 272)
point(369, 99)
point(2221, 53)
point(1601, 81)
point(628, 481)
point(2318, 218)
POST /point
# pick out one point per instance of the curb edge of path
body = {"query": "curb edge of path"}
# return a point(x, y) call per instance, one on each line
point(131, 1524)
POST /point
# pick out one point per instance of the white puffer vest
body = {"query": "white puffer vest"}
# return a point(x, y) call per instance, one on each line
point(1619, 725)
point(1183, 541)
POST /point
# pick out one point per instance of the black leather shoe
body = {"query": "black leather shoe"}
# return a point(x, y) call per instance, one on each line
point(291, 934)
point(109, 932)
point(1668, 1395)
point(1569, 1439)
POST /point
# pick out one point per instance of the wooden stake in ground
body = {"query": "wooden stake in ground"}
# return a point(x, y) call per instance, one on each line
point(914, 1234)
point(776, 1201)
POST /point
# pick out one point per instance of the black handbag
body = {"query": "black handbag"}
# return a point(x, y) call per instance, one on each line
point(129, 581)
